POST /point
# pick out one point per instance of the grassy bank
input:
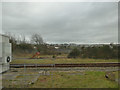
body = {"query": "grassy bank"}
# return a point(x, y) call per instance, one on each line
point(94, 79)
point(60, 60)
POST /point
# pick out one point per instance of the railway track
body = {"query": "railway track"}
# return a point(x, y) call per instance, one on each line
point(65, 65)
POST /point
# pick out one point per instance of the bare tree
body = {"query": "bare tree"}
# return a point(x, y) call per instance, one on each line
point(18, 39)
point(22, 39)
point(12, 37)
point(37, 39)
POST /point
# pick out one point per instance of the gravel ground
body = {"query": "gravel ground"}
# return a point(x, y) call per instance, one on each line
point(19, 78)
point(76, 69)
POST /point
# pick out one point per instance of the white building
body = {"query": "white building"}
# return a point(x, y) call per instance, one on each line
point(5, 53)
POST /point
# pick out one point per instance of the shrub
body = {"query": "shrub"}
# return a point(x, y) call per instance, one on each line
point(74, 53)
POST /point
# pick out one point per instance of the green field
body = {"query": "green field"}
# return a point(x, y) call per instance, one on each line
point(63, 79)
point(88, 79)
point(47, 59)
point(60, 60)
point(69, 79)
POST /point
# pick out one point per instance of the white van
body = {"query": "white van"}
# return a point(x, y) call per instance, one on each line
point(5, 53)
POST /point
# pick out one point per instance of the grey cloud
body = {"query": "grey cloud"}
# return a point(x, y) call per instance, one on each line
point(63, 22)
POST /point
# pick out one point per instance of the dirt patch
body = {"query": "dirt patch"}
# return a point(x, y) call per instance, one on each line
point(43, 80)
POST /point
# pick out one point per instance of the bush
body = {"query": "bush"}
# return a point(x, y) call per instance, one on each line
point(53, 56)
point(74, 53)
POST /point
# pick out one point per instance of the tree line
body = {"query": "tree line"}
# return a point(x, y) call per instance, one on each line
point(96, 52)
point(37, 44)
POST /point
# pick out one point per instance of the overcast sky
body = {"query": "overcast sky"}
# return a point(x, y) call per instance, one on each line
point(69, 22)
